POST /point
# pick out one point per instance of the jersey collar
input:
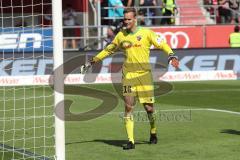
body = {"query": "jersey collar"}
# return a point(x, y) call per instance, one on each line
point(138, 28)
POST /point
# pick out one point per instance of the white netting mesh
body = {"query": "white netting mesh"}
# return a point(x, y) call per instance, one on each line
point(26, 113)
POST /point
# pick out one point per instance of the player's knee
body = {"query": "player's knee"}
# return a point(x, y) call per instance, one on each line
point(128, 108)
point(150, 111)
point(149, 108)
point(129, 104)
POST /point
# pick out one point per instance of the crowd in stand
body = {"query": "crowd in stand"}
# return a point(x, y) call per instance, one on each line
point(226, 11)
point(147, 9)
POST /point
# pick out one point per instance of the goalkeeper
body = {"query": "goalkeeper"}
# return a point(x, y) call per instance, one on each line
point(137, 78)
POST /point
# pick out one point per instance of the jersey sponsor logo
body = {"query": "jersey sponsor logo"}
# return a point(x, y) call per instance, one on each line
point(173, 38)
point(136, 45)
point(128, 44)
point(20, 41)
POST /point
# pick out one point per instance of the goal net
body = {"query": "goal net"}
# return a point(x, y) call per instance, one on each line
point(27, 119)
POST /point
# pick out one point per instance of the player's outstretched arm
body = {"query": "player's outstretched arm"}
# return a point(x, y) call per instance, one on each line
point(161, 43)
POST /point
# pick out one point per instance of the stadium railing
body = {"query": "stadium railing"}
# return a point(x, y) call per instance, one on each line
point(92, 36)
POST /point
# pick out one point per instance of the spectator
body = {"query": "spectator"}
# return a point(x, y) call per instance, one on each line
point(110, 34)
point(141, 20)
point(224, 11)
point(168, 10)
point(211, 7)
point(234, 5)
point(113, 30)
point(116, 11)
point(128, 3)
point(69, 16)
point(234, 38)
point(148, 12)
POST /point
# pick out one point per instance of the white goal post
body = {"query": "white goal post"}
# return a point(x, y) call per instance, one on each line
point(58, 77)
point(31, 41)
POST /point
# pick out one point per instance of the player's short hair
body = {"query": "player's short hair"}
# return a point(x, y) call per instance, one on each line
point(131, 9)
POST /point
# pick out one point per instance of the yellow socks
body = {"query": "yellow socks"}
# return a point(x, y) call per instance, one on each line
point(152, 121)
point(129, 124)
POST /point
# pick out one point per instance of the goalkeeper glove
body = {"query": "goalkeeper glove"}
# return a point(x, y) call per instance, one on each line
point(84, 68)
point(173, 60)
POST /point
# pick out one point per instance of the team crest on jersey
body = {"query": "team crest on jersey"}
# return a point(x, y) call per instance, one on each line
point(139, 38)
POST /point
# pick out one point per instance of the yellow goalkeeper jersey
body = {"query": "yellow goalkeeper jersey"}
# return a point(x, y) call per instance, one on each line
point(136, 48)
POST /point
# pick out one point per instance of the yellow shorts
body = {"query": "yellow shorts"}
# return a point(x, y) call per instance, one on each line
point(139, 84)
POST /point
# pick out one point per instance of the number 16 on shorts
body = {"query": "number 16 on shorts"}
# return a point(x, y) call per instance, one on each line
point(127, 89)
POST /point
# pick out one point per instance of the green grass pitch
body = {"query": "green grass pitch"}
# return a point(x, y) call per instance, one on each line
point(195, 121)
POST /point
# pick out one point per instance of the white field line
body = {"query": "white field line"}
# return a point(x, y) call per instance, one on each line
point(202, 109)
point(224, 111)
point(186, 109)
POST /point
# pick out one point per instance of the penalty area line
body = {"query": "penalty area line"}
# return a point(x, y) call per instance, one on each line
point(224, 111)
point(186, 109)
point(202, 109)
